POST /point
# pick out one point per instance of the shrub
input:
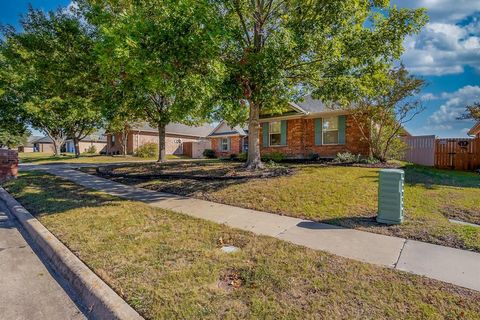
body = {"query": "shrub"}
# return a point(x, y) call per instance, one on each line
point(92, 149)
point(242, 157)
point(274, 156)
point(313, 156)
point(209, 154)
point(233, 156)
point(346, 157)
point(148, 150)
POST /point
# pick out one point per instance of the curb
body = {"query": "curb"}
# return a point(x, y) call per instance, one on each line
point(100, 300)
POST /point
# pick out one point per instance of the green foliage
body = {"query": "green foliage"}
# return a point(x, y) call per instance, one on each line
point(91, 150)
point(273, 156)
point(382, 115)
point(50, 72)
point(11, 139)
point(209, 154)
point(242, 156)
point(161, 56)
point(313, 156)
point(281, 50)
point(472, 112)
point(147, 150)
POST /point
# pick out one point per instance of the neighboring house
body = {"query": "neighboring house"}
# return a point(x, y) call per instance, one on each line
point(44, 144)
point(475, 131)
point(227, 140)
point(29, 146)
point(176, 135)
point(97, 140)
point(303, 129)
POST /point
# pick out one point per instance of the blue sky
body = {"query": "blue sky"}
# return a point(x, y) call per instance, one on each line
point(446, 54)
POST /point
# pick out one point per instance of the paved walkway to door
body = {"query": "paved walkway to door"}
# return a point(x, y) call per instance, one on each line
point(451, 265)
point(27, 288)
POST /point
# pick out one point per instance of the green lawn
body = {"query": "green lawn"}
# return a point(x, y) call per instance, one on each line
point(347, 196)
point(47, 158)
point(170, 266)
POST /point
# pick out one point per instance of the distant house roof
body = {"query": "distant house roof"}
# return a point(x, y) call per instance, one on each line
point(475, 129)
point(224, 129)
point(31, 140)
point(43, 140)
point(178, 129)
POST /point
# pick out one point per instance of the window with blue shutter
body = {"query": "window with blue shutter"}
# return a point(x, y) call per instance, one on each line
point(265, 135)
point(341, 129)
point(283, 130)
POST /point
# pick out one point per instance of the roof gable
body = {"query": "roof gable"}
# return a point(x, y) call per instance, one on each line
point(224, 128)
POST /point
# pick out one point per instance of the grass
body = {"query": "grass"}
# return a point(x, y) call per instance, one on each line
point(347, 196)
point(169, 266)
point(48, 158)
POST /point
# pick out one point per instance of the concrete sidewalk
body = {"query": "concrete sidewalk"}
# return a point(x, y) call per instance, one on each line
point(27, 288)
point(455, 266)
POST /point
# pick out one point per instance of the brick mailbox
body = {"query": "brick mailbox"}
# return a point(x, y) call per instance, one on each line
point(8, 164)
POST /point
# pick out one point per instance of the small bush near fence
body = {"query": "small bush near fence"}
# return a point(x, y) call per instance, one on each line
point(242, 156)
point(209, 154)
point(347, 157)
point(91, 150)
point(274, 156)
point(148, 150)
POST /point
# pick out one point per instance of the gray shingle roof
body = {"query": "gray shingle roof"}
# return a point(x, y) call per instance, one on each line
point(179, 129)
point(310, 105)
point(43, 140)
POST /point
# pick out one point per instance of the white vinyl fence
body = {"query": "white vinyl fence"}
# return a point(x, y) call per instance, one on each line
point(421, 150)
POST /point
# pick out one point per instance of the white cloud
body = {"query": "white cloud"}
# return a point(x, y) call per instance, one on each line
point(443, 48)
point(428, 97)
point(443, 10)
point(446, 116)
point(449, 42)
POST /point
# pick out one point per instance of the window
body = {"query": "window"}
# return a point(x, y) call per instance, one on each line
point(113, 140)
point(224, 145)
point(275, 132)
point(330, 130)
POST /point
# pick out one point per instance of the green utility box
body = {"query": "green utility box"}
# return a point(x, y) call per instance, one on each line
point(390, 196)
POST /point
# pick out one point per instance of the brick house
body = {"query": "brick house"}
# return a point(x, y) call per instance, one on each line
point(475, 130)
point(304, 128)
point(177, 135)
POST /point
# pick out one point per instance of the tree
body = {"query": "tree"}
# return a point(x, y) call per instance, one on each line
point(278, 50)
point(381, 115)
point(50, 68)
point(163, 55)
point(472, 112)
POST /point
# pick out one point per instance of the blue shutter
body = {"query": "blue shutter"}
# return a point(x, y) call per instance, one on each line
point(283, 130)
point(265, 129)
point(318, 132)
point(341, 129)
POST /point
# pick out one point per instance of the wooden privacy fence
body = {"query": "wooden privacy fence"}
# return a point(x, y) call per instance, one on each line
point(458, 154)
point(420, 150)
point(452, 153)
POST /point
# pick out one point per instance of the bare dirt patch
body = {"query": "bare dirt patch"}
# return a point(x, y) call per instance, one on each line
point(462, 214)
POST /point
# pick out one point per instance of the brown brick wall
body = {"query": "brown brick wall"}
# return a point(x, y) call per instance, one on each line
point(235, 146)
point(301, 140)
point(8, 164)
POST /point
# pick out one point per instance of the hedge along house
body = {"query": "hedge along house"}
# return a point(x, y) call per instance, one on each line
point(304, 129)
point(176, 135)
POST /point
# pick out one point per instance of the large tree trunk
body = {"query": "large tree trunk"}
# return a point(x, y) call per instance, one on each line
point(57, 145)
point(76, 147)
point(254, 161)
point(162, 156)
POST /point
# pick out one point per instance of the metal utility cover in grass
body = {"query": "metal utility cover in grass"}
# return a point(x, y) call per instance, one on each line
point(390, 196)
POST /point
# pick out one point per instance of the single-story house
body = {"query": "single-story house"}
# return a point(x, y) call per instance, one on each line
point(475, 131)
point(29, 145)
point(304, 128)
point(44, 144)
point(97, 140)
point(176, 135)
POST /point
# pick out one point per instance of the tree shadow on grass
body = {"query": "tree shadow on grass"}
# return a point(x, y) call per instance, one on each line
point(44, 194)
point(430, 177)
